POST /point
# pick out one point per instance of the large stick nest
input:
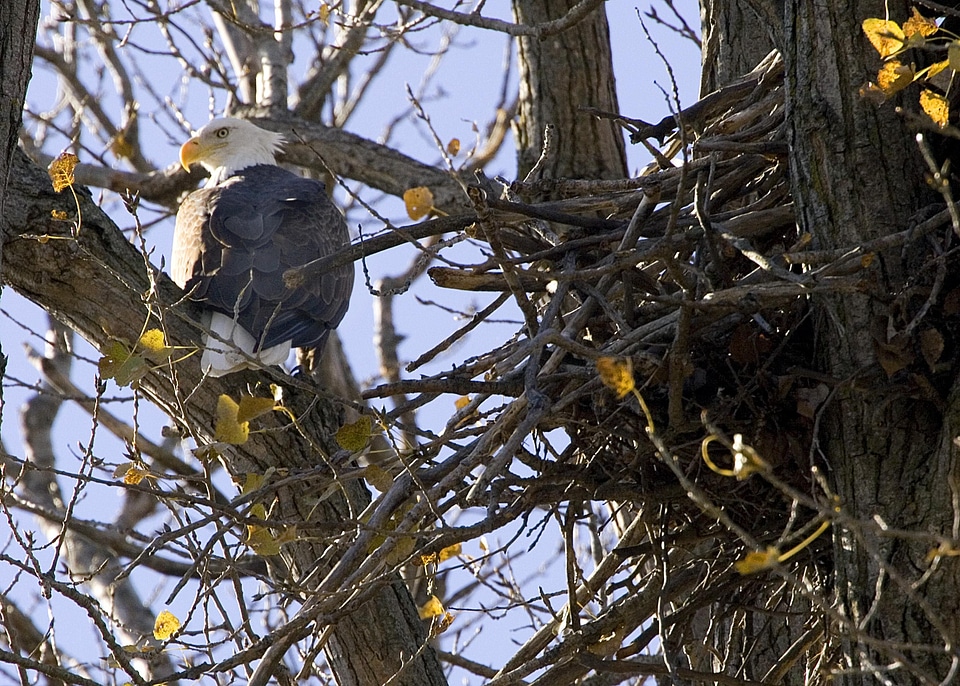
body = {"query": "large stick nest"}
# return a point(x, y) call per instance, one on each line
point(695, 272)
point(670, 270)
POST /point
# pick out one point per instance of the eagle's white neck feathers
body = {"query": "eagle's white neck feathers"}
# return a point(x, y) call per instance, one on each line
point(230, 145)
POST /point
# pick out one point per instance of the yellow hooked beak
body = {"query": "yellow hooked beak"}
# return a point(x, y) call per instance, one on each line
point(191, 152)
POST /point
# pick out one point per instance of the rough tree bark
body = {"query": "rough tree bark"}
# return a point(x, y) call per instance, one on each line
point(857, 175)
point(18, 31)
point(559, 75)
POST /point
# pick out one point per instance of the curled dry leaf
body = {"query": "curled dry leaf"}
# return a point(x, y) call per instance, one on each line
point(165, 626)
point(61, 170)
point(418, 201)
point(616, 373)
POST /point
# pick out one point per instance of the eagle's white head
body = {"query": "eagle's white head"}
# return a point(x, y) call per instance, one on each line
point(226, 145)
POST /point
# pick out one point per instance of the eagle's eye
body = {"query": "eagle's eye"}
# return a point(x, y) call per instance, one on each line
point(223, 133)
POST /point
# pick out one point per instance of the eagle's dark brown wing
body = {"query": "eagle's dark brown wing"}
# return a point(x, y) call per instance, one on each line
point(234, 241)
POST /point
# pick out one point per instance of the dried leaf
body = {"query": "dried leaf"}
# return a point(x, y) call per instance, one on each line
point(228, 428)
point(873, 93)
point(758, 560)
point(809, 399)
point(953, 55)
point(894, 76)
point(442, 625)
point(453, 147)
point(324, 13)
point(442, 556)
point(252, 407)
point(894, 355)
point(355, 437)
point(401, 551)
point(262, 541)
point(931, 347)
point(120, 365)
point(61, 170)
point(885, 36)
point(935, 69)
point(951, 303)
point(450, 551)
point(134, 475)
point(378, 477)
point(943, 550)
point(418, 201)
point(121, 147)
point(462, 402)
point(165, 626)
point(252, 482)
point(616, 373)
point(58, 215)
point(153, 344)
point(936, 106)
point(432, 608)
point(919, 25)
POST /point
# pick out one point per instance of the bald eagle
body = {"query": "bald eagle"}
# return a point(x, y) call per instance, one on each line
point(236, 236)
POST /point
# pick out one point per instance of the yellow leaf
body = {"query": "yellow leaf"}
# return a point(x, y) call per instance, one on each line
point(884, 35)
point(418, 201)
point(252, 407)
point(120, 365)
point(894, 76)
point(453, 147)
point(437, 558)
point(943, 550)
point(609, 644)
point(165, 626)
point(936, 68)
point(442, 625)
point(953, 55)
point(61, 170)
point(121, 147)
point(355, 436)
point(936, 106)
point(462, 402)
point(229, 429)
point(401, 551)
point(153, 344)
point(252, 482)
point(432, 608)
point(450, 551)
point(758, 560)
point(616, 373)
point(134, 475)
point(262, 541)
point(378, 477)
point(919, 25)
point(59, 215)
point(324, 13)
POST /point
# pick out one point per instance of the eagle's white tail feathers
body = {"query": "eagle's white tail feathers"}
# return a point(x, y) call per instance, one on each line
point(219, 358)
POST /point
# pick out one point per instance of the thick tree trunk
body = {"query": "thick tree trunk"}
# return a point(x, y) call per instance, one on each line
point(888, 450)
point(857, 176)
point(559, 75)
point(18, 31)
point(735, 37)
